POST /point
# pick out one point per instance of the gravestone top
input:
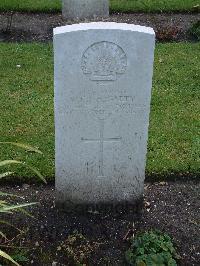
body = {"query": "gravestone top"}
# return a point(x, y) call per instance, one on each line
point(103, 26)
point(103, 78)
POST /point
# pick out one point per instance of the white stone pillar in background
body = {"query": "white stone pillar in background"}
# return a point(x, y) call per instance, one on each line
point(84, 9)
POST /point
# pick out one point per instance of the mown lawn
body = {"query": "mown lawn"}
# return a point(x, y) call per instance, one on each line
point(115, 5)
point(154, 5)
point(26, 107)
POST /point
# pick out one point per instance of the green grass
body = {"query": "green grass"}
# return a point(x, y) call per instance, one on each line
point(154, 5)
point(31, 5)
point(115, 5)
point(26, 107)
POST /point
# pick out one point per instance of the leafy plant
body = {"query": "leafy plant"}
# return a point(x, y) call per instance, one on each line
point(5, 206)
point(151, 248)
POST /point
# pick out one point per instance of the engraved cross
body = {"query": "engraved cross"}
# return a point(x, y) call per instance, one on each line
point(101, 141)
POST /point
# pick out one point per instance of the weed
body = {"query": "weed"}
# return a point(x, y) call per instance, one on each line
point(151, 248)
point(78, 249)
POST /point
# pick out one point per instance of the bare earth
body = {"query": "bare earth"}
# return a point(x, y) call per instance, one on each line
point(170, 207)
point(39, 27)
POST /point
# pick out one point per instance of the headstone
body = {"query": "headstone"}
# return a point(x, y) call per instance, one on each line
point(103, 79)
point(82, 9)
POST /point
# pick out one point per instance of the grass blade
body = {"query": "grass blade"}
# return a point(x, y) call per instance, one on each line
point(3, 235)
point(8, 194)
point(3, 202)
point(36, 172)
point(8, 162)
point(7, 212)
point(14, 207)
point(26, 213)
point(7, 257)
point(11, 225)
point(6, 174)
point(23, 146)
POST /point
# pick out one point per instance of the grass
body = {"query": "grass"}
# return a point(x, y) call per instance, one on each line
point(115, 5)
point(154, 5)
point(26, 107)
point(26, 81)
point(31, 5)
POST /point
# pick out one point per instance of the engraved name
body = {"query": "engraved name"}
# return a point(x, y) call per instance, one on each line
point(103, 107)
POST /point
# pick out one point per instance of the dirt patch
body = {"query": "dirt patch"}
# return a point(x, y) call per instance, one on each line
point(54, 237)
point(39, 27)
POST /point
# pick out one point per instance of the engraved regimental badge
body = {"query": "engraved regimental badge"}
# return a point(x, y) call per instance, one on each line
point(103, 61)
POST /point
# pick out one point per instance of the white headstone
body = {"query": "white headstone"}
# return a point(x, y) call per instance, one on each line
point(103, 79)
point(81, 9)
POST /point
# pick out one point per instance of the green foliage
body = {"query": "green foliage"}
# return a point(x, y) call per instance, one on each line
point(151, 248)
point(194, 31)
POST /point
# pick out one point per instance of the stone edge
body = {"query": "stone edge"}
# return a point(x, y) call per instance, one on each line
point(102, 26)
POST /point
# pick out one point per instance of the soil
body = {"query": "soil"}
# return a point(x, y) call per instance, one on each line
point(39, 27)
point(54, 237)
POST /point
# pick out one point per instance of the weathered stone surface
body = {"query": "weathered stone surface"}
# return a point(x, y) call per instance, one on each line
point(103, 78)
point(81, 9)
